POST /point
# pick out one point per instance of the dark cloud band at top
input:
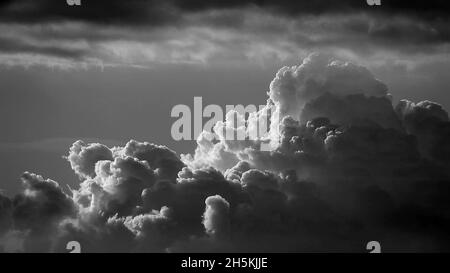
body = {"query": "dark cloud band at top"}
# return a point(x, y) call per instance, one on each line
point(160, 12)
point(144, 33)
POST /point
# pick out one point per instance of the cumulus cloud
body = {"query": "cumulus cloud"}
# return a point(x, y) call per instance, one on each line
point(429, 122)
point(35, 214)
point(41, 204)
point(352, 109)
point(216, 217)
point(347, 168)
point(294, 86)
point(82, 158)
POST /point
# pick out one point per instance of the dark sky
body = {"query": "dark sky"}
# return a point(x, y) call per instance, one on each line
point(111, 71)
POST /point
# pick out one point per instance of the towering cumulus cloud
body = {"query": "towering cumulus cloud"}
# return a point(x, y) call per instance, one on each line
point(317, 75)
point(347, 167)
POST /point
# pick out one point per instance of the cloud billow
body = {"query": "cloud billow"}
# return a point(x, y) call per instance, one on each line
point(349, 168)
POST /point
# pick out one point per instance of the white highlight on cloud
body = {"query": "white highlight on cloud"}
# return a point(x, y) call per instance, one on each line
point(294, 86)
point(216, 217)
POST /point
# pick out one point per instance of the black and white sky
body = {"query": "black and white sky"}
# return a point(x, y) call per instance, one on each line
point(66, 71)
point(111, 71)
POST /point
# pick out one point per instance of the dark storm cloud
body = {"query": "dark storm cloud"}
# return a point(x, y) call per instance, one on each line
point(42, 204)
point(143, 33)
point(140, 11)
point(349, 168)
point(428, 21)
point(31, 217)
point(430, 123)
point(101, 11)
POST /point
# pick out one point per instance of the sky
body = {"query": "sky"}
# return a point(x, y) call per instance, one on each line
point(111, 71)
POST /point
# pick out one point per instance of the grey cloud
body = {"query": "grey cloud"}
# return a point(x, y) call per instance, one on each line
point(429, 122)
point(258, 179)
point(16, 46)
point(161, 158)
point(352, 109)
point(216, 217)
point(5, 214)
point(142, 31)
point(294, 86)
point(38, 211)
point(138, 12)
point(331, 184)
point(102, 12)
point(83, 158)
point(42, 204)
point(152, 230)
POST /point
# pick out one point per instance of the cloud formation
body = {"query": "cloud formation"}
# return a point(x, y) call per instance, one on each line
point(140, 11)
point(144, 33)
point(296, 85)
point(348, 167)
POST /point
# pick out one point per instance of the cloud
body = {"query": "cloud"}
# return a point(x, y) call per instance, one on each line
point(146, 33)
point(216, 217)
point(429, 122)
point(102, 12)
point(139, 11)
point(352, 109)
point(42, 203)
point(83, 158)
point(318, 74)
point(5, 213)
point(38, 211)
point(150, 229)
point(348, 168)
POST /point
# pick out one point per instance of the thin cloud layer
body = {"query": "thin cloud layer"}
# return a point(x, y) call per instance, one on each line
point(349, 168)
